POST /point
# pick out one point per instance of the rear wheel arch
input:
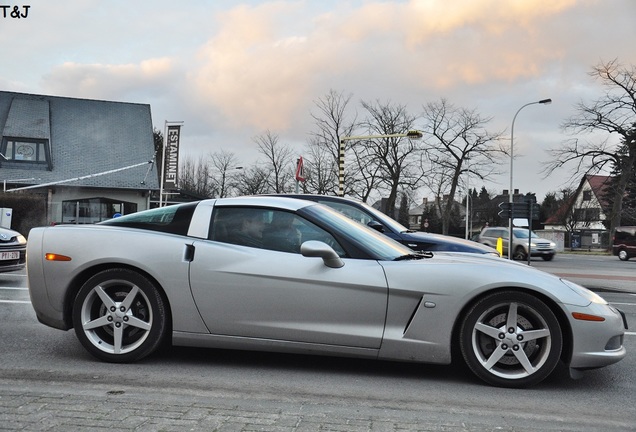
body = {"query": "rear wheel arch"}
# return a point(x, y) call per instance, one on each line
point(77, 283)
point(121, 315)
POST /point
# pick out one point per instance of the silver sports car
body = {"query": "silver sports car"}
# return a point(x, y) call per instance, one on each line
point(281, 274)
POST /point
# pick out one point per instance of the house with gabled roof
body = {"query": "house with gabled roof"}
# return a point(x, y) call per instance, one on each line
point(583, 216)
point(87, 159)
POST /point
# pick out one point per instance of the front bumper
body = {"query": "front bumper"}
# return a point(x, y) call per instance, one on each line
point(535, 252)
point(597, 343)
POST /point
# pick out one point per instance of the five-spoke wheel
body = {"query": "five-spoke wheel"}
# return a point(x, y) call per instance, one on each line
point(119, 316)
point(511, 339)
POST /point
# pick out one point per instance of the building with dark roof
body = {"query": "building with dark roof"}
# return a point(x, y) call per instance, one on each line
point(584, 216)
point(89, 159)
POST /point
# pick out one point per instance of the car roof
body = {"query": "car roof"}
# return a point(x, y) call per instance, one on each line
point(291, 204)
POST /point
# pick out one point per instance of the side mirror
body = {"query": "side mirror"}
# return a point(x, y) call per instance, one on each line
point(376, 226)
point(314, 248)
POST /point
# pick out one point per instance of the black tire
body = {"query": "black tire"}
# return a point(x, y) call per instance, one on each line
point(623, 255)
point(547, 257)
point(119, 316)
point(511, 339)
point(520, 254)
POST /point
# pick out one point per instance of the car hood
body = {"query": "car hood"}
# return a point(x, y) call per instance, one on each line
point(418, 236)
point(7, 234)
point(468, 275)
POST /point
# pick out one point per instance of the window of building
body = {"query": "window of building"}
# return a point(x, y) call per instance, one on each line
point(93, 210)
point(25, 150)
point(587, 195)
point(587, 214)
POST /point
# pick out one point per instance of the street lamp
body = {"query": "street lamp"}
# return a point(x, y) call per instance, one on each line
point(510, 192)
point(412, 134)
point(468, 198)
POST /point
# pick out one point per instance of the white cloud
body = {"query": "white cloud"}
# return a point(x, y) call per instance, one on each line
point(230, 70)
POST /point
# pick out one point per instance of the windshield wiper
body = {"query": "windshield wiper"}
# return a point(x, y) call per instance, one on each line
point(414, 256)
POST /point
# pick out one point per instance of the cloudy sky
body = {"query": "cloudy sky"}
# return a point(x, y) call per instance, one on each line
point(230, 70)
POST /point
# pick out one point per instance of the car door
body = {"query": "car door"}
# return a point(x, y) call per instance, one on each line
point(257, 292)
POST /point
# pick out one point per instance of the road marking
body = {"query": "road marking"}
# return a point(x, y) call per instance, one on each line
point(14, 288)
point(630, 333)
point(596, 276)
point(16, 301)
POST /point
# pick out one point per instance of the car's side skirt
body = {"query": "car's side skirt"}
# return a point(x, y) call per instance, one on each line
point(270, 345)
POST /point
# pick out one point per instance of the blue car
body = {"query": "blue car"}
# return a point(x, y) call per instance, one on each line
point(416, 240)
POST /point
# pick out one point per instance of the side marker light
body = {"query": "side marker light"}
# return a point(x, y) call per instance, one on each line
point(587, 317)
point(56, 257)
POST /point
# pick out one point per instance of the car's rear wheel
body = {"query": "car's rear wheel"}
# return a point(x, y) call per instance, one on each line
point(520, 254)
point(622, 255)
point(119, 316)
point(511, 339)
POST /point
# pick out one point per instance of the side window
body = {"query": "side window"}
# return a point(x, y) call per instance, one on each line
point(500, 233)
point(276, 230)
point(238, 225)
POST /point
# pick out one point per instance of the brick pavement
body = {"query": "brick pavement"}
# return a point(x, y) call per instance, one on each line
point(28, 406)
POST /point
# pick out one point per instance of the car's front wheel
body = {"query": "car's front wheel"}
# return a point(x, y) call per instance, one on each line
point(622, 255)
point(119, 316)
point(511, 339)
point(520, 254)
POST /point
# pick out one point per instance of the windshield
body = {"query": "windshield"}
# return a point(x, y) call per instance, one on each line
point(378, 245)
point(364, 217)
point(519, 233)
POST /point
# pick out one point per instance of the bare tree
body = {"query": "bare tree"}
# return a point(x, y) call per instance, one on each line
point(224, 166)
point(396, 158)
point(457, 143)
point(252, 181)
point(366, 178)
point(321, 176)
point(614, 115)
point(279, 161)
point(332, 124)
point(194, 177)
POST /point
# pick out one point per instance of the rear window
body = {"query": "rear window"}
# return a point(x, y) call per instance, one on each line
point(173, 219)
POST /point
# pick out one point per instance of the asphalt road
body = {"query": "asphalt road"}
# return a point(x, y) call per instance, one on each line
point(48, 382)
point(597, 272)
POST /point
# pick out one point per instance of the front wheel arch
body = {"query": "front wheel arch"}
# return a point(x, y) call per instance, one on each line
point(566, 329)
point(511, 339)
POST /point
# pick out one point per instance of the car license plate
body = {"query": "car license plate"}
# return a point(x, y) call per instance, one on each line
point(9, 255)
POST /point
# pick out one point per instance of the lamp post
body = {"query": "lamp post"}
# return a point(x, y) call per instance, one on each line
point(468, 203)
point(510, 191)
point(412, 134)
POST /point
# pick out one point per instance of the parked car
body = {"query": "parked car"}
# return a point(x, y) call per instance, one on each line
point(537, 247)
point(199, 274)
point(624, 242)
point(12, 250)
point(416, 240)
